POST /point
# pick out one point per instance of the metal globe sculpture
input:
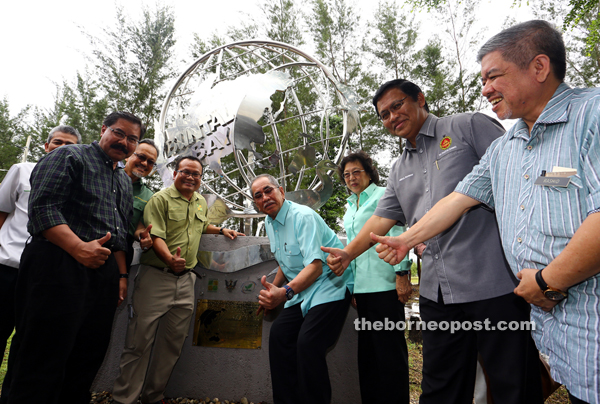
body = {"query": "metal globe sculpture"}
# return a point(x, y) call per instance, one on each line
point(254, 107)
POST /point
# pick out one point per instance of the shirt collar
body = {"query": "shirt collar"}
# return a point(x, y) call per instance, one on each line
point(364, 195)
point(427, 129)
point(102, 154)
point(555, 111)
point(281, 216)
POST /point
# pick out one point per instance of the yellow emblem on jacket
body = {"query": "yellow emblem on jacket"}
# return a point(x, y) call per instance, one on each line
point(445, 143)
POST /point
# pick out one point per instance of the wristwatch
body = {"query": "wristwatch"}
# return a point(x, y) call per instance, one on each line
point(221, 231)
point(402, 273)
point(549, 292)
point(289, 292)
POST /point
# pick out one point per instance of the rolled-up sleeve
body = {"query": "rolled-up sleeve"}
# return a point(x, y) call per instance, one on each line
point(478, 184)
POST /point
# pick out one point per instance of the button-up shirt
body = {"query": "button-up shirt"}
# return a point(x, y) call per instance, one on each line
point(371, 274)
point(537, 222)
point(76, 185)
point(296, 236)
point(141, 196)
point(177, 221)
point(466, 261)
point(14, 198)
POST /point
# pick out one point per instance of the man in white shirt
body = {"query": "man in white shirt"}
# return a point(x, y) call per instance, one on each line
point(14, 197)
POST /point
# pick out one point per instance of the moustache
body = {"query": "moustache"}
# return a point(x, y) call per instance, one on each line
point(119, 147)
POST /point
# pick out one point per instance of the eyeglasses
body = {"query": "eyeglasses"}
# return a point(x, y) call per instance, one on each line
point(189, 174)
point(266, 191)
point(354, 174)
point(385, 115)
point(119, 134)
point(145, 159)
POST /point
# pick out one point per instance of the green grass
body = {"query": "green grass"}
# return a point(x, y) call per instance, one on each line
point(5, 360)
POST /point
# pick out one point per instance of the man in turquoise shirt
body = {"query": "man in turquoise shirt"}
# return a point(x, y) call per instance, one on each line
point(317, 300)
point(543, 180)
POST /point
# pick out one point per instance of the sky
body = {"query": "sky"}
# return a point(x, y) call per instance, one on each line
point(43, 43)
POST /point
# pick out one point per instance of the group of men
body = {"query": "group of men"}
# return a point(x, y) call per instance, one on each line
point(67, 227)
point(499, 233)
point(507, 218)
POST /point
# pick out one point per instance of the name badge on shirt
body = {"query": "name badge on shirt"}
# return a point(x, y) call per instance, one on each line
point(553, 181)
point(559, 177)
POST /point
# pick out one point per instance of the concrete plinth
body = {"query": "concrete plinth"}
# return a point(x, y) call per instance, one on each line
point(228, 373)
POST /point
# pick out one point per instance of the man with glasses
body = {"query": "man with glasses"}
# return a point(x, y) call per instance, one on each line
point(316, 300)
point(465, 277)
point(542, 178)
point(163, 299)
point(72, 274)
point(139, 165)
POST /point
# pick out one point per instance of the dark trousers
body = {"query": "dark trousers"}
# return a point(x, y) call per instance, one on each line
point(575, 400)
point(450, 359)
point(63, 324)
point(297, 349)
point(382, 355)
point(8, 283)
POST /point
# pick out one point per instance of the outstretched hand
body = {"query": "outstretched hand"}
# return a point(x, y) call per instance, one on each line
point(92, 254)
point(337, 260)
point(177, 263)
point(270, 297)
point(391, 249)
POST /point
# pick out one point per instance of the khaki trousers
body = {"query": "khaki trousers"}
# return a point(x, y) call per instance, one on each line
point(163, 305)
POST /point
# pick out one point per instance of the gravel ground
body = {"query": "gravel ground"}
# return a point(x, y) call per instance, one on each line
point(105, 397)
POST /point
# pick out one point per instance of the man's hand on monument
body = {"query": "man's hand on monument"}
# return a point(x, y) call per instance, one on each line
point(529, 290)
point(403, 288)
point(337, 260)
point(92, 254)
point(177, 263)
point(232, 234)
point(392, 249)
point(146, 239)
point(271, 296)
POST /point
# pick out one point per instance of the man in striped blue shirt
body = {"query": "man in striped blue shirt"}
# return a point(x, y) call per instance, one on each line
point(543, 180)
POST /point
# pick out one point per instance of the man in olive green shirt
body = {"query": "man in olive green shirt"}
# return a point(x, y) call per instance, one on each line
point(139, 165)
point(163, 298)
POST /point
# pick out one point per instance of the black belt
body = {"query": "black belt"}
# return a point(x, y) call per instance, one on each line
point(169, 270)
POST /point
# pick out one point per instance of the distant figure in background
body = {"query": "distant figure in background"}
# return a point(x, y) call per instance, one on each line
point(72, 274)
point(139, 165)
point(316, 300)
point(380, 291)
point(163, 297)
point(14, 197)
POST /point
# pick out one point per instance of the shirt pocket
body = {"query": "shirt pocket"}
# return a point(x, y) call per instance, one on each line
point(177, 220)
point(562, 206)
point(200, 222)
point(292, 257)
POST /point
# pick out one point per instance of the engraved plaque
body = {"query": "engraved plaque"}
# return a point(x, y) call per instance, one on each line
point(228, 324)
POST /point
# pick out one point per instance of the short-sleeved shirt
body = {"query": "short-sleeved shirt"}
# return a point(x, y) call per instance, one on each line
point(537, 222)
point(177, 221)
point(14, 198)
point(466, 261)
point(296, 236)
point(141, 196)
point(77, 185)
point(371, 274)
